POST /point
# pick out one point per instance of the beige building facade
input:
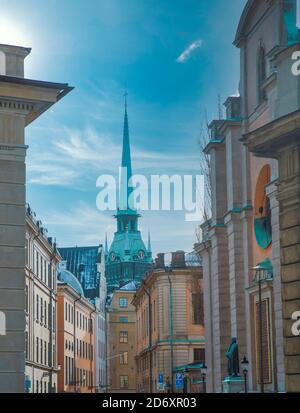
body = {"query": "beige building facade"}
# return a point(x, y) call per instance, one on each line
point(276, 137)
point(121, 341)
point(21, 102)
point(170, 325)
point(42, 260)
point(252, 205)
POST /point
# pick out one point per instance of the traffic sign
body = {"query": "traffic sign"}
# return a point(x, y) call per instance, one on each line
point(179, 381)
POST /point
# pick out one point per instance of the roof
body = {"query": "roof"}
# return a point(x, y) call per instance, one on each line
point(66, 277)
point(243, 21)
point(126, 246)
point(131, 286)
point(61, 88)
point(192, 259)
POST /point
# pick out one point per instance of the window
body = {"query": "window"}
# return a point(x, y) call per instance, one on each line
point(123, 302)
point(41, 315)
point(26, 299)
point(199, 355)
point(123, 319)
point(124, 358)
point(123, 336)
point(49, 277)
point(36, 263)
point(26, 249)
point(197, 309)
point(66, 370)
point(26, 344)
point(261, 73)
point(45, 312)
point(45, 352)
point(124, 382)
point(37, 307)
point(37, 350)
point(66, 311)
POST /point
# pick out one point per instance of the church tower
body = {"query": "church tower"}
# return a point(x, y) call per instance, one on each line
point(127, 259)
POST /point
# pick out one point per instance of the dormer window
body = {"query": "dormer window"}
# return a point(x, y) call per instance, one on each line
point(261, 74)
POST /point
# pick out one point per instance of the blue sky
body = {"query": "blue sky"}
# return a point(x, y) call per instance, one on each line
point(173, 56)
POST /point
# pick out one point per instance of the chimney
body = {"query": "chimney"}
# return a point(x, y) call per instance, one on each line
point(160, 261)
point(12, 60)
point(178, 259)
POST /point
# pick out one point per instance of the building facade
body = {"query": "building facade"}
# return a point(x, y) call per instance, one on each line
point(274, 138)
point(22, 101)
point(121, 341)
point(170, 325)
point(42, 261)
point(244, 231)
point(127, 258)
point(76, 338)
point(101, 326)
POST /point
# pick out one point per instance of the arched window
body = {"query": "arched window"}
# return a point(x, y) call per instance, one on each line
point(261, 73)
point(2, 63)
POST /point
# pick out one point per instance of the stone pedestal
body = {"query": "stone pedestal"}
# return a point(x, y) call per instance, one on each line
point(233, 385)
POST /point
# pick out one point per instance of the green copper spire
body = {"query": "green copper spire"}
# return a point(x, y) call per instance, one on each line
point(149, 243)
point(127, 216)
point(126, 171)
point(126, 156)
point(106, 244)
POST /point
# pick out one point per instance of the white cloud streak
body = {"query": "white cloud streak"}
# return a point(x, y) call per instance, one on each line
point(185, 55)
point(79, 157)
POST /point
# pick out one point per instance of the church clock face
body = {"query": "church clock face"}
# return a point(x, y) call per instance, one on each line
point(262, 211)
point(113, 256)
point(141, 255)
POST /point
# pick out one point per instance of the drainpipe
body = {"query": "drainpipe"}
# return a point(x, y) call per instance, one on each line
point(171, 329)
point(150, 331)
point(91, 354)
point(74, 341)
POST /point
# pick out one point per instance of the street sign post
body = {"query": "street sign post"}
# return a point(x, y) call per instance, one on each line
point(179, 381)
point(160, 382)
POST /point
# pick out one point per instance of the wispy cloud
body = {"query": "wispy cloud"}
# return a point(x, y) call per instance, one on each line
point(185, 55)
point(79, 156)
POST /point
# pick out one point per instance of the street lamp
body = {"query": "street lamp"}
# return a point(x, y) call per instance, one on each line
point(245, 368)
point(203, 375)
point(263, 272)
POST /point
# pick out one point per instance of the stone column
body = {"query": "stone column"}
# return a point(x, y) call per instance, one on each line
point(289, 206)
point(236, 279)
point(220, 303)
point(204, 251)
point(271, 191)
